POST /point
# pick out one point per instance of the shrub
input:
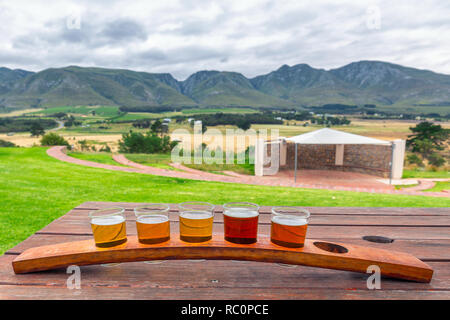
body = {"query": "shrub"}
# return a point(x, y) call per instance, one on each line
point(36, 129)
point(136, 142)
point(436, 160)
point(52, 139)
point(6, 144)
point(414, 159)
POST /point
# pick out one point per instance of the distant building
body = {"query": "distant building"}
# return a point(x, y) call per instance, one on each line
point(167, 120)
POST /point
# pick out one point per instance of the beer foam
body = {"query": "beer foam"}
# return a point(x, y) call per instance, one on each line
point(241, 213)
point(290, 220)
point(108, 220)
point(152, 219)
point(196, 214)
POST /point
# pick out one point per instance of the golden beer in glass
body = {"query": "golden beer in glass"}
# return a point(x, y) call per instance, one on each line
point(108, 226)
point(289, 225)
point(152, 223)
point(196, 221)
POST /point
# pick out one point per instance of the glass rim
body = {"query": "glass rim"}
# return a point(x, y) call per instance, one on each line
point(164, 209)
point(97, 213)
point(182, 206)
point(304, 213)
point(241, 205)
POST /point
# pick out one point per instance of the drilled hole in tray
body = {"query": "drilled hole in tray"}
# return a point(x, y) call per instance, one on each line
point(378, 239)
point(330, 247)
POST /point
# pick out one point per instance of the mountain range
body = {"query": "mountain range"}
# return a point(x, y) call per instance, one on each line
point(358, 83)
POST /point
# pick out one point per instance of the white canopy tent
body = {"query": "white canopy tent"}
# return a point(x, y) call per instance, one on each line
point(338, 138)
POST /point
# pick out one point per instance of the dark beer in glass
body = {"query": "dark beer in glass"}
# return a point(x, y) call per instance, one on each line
point(241, 222)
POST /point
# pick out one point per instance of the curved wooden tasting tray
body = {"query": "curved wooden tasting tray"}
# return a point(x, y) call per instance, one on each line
point(315, 253)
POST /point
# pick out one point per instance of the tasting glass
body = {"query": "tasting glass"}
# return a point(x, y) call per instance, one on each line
point(196, 221)
point(289, 226)
point(152, 223)
point(108, 226)
point(241, 222)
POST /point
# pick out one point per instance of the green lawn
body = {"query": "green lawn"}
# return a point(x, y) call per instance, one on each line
point(163, 160)
point(36, 189)
point(425, 174)
point(100, 157)
point(405, 186)
point(154, 160)
point(439, 186)
point(242, 168)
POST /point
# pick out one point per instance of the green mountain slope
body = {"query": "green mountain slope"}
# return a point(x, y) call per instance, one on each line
point(8, 78)
point(389, 86)
point(92, 86)
point(227, 88)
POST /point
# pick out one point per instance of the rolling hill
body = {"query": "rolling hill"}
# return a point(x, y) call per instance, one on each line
point(389, 86)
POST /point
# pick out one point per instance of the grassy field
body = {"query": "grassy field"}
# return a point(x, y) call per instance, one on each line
point(100, 111)
point(100, 157)
point(425, 174)
point(162, 161)
point(154, 160)
point(36, 189)
point(440, 186)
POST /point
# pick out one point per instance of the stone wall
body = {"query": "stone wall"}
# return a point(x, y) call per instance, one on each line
point(368, 159)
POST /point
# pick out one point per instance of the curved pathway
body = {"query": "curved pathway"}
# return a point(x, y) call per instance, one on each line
point(423, 185)
point(58, 153)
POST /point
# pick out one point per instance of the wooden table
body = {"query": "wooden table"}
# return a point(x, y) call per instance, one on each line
point(423, 232)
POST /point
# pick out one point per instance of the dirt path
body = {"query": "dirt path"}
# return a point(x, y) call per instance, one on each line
point(58, 153)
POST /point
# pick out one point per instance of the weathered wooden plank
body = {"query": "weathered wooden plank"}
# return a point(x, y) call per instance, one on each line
point(243, 280)
point(317, 210)
point(160, 293)
point(316, 219)
point(422, 249)
point(217, 274)
point(329, 255)
point(79, 227)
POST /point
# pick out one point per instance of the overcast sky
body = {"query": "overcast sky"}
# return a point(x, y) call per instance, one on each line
point(251, 37)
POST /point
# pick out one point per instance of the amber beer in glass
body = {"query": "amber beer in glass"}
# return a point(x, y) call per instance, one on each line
point(196, 221)
point(241, 222)
point(289, 226)
point(152, 223)
point(108, 226)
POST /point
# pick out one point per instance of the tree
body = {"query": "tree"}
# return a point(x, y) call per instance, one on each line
point(436, 160)
point(244, 124)
point(36, 129)
point(426, 139)
point(52, 139)
point(136, 142)
point(6, 144)
point(432, 134)
point(157, 127)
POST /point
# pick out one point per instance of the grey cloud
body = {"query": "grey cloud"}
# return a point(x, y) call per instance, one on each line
point(124, 30)
point(248, 38)
point(157, 55)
